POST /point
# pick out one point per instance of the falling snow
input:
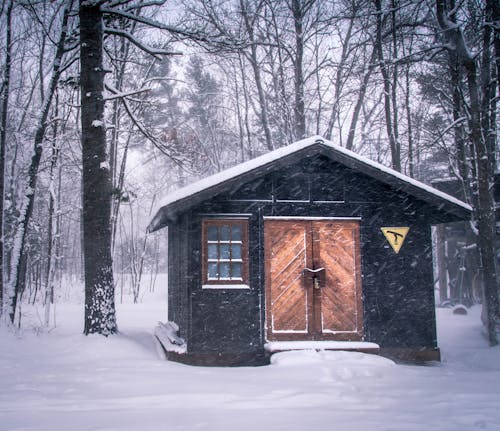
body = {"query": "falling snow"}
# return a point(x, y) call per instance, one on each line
point(63, 380)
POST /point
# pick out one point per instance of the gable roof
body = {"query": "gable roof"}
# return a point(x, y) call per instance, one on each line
point(186, 197)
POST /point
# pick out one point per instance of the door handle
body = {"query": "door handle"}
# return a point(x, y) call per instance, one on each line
point(315, 276)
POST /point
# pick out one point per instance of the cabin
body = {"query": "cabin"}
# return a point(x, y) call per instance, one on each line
point(310, 246)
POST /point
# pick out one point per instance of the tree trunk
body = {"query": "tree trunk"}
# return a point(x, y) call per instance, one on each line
point(339, 78)
point(53, 233)
point(409, 120)
point(484, 133)
point(299, 106)
point(3, 135)
point(483, 203)
point(360, 101)
point(281, 94)
point(247, 107)
point(118, 188)
point(258, 79)
point(393, 144)
point(19, 257)
point(494, 7)
point(458, 130)
point(394, 85)
point(489, 77)
point(442, 271)
point(99, 288)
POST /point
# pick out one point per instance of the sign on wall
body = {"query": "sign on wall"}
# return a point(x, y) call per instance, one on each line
point(395, 236)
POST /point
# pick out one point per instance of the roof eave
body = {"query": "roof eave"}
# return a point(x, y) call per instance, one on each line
point(168, 213)
point(463, 212)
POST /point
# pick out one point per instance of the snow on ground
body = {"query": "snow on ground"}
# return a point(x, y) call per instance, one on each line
point(64, 381)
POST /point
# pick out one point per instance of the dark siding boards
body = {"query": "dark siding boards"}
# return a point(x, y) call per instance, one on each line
point(225, 320)
point(397, 288)
point(178, 292)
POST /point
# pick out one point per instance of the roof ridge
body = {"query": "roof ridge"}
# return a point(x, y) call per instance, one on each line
point(287, 150)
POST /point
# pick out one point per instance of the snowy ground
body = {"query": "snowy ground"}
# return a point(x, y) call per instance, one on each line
point(64, 381)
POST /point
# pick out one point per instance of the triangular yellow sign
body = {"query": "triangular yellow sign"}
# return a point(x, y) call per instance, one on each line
point(395, 236)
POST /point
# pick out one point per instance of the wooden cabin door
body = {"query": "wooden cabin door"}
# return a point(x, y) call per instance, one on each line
point(313, 285)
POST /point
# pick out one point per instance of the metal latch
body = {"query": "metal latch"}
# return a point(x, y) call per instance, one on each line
point(316, 282)
point(315, 276)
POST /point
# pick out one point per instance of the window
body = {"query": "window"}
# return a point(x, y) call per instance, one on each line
point(225, 253)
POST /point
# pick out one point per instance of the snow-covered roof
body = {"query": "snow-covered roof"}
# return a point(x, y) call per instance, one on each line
point(200, 190)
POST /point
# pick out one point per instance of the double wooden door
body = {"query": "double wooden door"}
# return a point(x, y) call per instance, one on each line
point(313, 285)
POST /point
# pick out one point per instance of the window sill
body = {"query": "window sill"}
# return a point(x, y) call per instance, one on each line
point(225, 286)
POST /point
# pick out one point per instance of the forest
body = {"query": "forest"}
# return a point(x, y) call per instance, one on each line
point(108, 105)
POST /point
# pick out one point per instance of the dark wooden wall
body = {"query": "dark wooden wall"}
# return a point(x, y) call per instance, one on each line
point(398, 292)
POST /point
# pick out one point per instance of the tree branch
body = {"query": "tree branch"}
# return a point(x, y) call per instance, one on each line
point(192, 35)
point(142, 4)
point(155, 52)
point(118, 94)
point(142, 129)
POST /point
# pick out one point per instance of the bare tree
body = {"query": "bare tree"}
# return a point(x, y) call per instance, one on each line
point(250, 15)
point(389, 108)
point(477, 72)
point(299, 9)
point(19, 257)
point(4, 93)
point(97, 187)
point(345, 38)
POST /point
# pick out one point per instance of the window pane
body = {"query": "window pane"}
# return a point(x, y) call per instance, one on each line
point(212, 271)
point(224, 233)
point(212, 233)
point(224, 270)
point(236, 270)
point(224, 251)
point(236, 251)
point(236, 236)
point(212, 251)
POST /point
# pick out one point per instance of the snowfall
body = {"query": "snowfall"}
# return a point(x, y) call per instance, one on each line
point(61, 380)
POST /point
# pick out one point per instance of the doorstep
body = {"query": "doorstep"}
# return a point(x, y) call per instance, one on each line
point(353, 346)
